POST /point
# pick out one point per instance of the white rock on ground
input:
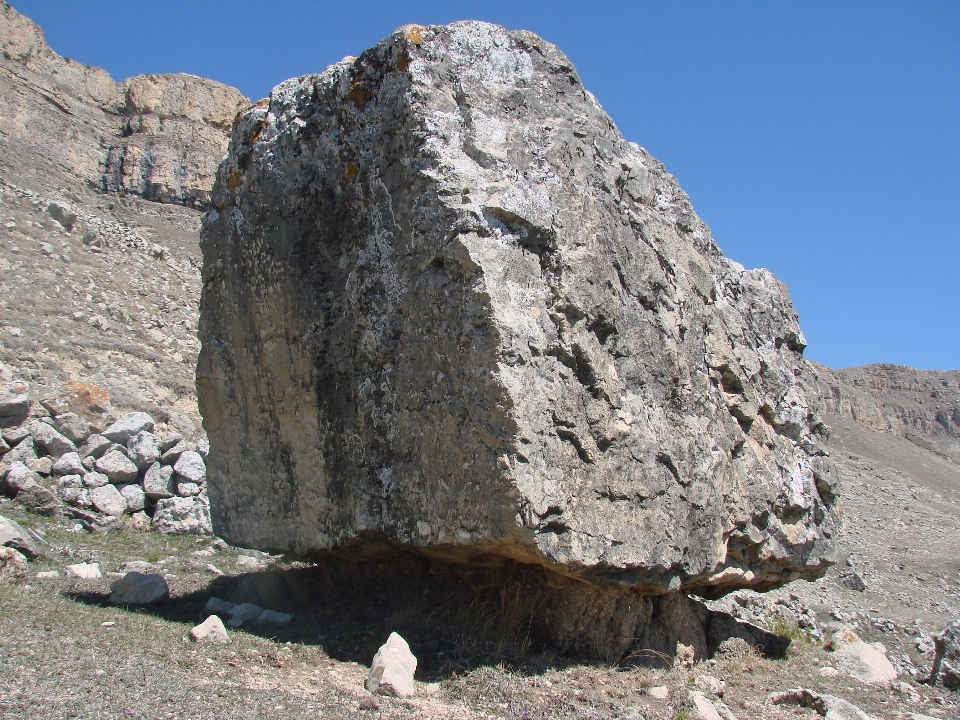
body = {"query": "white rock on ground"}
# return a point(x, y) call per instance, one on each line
point(143, 449)
point(158, 482)
point(47, 437)
point(19, 476)
point(392, 670)
point(187, 489)
point(190, 467)
point(95, 446)
point(84, 571)
point(210, 630)
point(69, 464)
point(128, 426)
point(14, 536)
point(243, 614)
point(95, 480)
point(183, 516)
point(215, 606)
point(659, 692)
point(72, 426)
point(703, 708)
point(273, 617)
point(47, 575)
point(860, 660)
point(117, 466)
point(108, 500)
point(135, 496)
point(135, 588)
point(13, 565)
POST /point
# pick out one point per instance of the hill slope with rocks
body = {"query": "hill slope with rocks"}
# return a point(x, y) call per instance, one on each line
point(102, 188)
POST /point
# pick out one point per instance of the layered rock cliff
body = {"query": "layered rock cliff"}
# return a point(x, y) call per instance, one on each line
point(157, 136)
point(448, 307)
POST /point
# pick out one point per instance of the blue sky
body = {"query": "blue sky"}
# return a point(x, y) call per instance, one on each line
point(818, 139)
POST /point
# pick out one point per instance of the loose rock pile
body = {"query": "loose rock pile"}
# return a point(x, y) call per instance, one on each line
point(60, 464)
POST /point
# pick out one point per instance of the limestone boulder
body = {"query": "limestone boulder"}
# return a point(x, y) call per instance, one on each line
point(447, 305)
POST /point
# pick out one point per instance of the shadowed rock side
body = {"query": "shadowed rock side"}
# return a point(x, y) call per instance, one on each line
point(156, 136)
point(446, 306)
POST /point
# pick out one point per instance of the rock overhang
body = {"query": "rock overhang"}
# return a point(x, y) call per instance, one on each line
point(447, 306)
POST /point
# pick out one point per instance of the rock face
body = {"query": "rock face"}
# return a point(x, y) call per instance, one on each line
point(447, 305)
point(160, 136)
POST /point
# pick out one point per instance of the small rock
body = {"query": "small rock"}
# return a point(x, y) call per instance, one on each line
point(89, 463)
point(158, 482)
point(19, 476)
point(659, 692)
point(14, 536)
point(137, 589)
point(703, 708)
point(72, 495)
point(128, 426)
point(95, 446)
point(217, 606)
point(852, 581)
point(41, 466)
point(143, 449)
point(392, 670)
point(210, 630)
point(243, 613)
point(369, 703)
point(183, 516)
point(117, 466)
point(95, 480)
point(140, 566)
point(139, 521)
point(187, 489)
point(69, 464)
point(191, 468)
point(14, 403)
point(47, 437)
point(135, 496)
point(108, 500)
point(274, 618)
point(13, 565)
point(73, 427)
point(711, 685)
point(84, 571)
point(173, 453)
point(203, 448)
point(170, 440)
point(39, 499)
point(47, 575)
point(829, 672)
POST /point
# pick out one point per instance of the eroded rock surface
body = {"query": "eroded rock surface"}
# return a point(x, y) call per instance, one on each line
point(447, 305)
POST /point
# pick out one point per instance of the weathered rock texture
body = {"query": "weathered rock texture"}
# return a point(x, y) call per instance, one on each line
point(446, 305)
point(158, 136)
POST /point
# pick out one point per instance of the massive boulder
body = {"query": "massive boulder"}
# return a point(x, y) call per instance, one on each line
point(448, 308)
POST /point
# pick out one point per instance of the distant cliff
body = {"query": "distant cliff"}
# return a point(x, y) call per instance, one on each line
point(157, 136)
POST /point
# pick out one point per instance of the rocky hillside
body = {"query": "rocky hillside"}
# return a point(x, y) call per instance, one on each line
point(99, 282)
point(922, 406)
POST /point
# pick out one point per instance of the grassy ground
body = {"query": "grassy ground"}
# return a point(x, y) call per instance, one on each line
point(65, 652)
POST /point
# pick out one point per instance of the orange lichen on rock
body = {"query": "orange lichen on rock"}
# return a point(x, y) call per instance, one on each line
point(233, 181)
point(86, 398)
point(352, 171)
point(415, 34)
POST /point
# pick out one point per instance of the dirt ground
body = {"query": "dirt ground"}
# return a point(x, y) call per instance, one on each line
point(65, 652)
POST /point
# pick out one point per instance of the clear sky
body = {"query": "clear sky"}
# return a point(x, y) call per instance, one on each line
point(818, 139)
